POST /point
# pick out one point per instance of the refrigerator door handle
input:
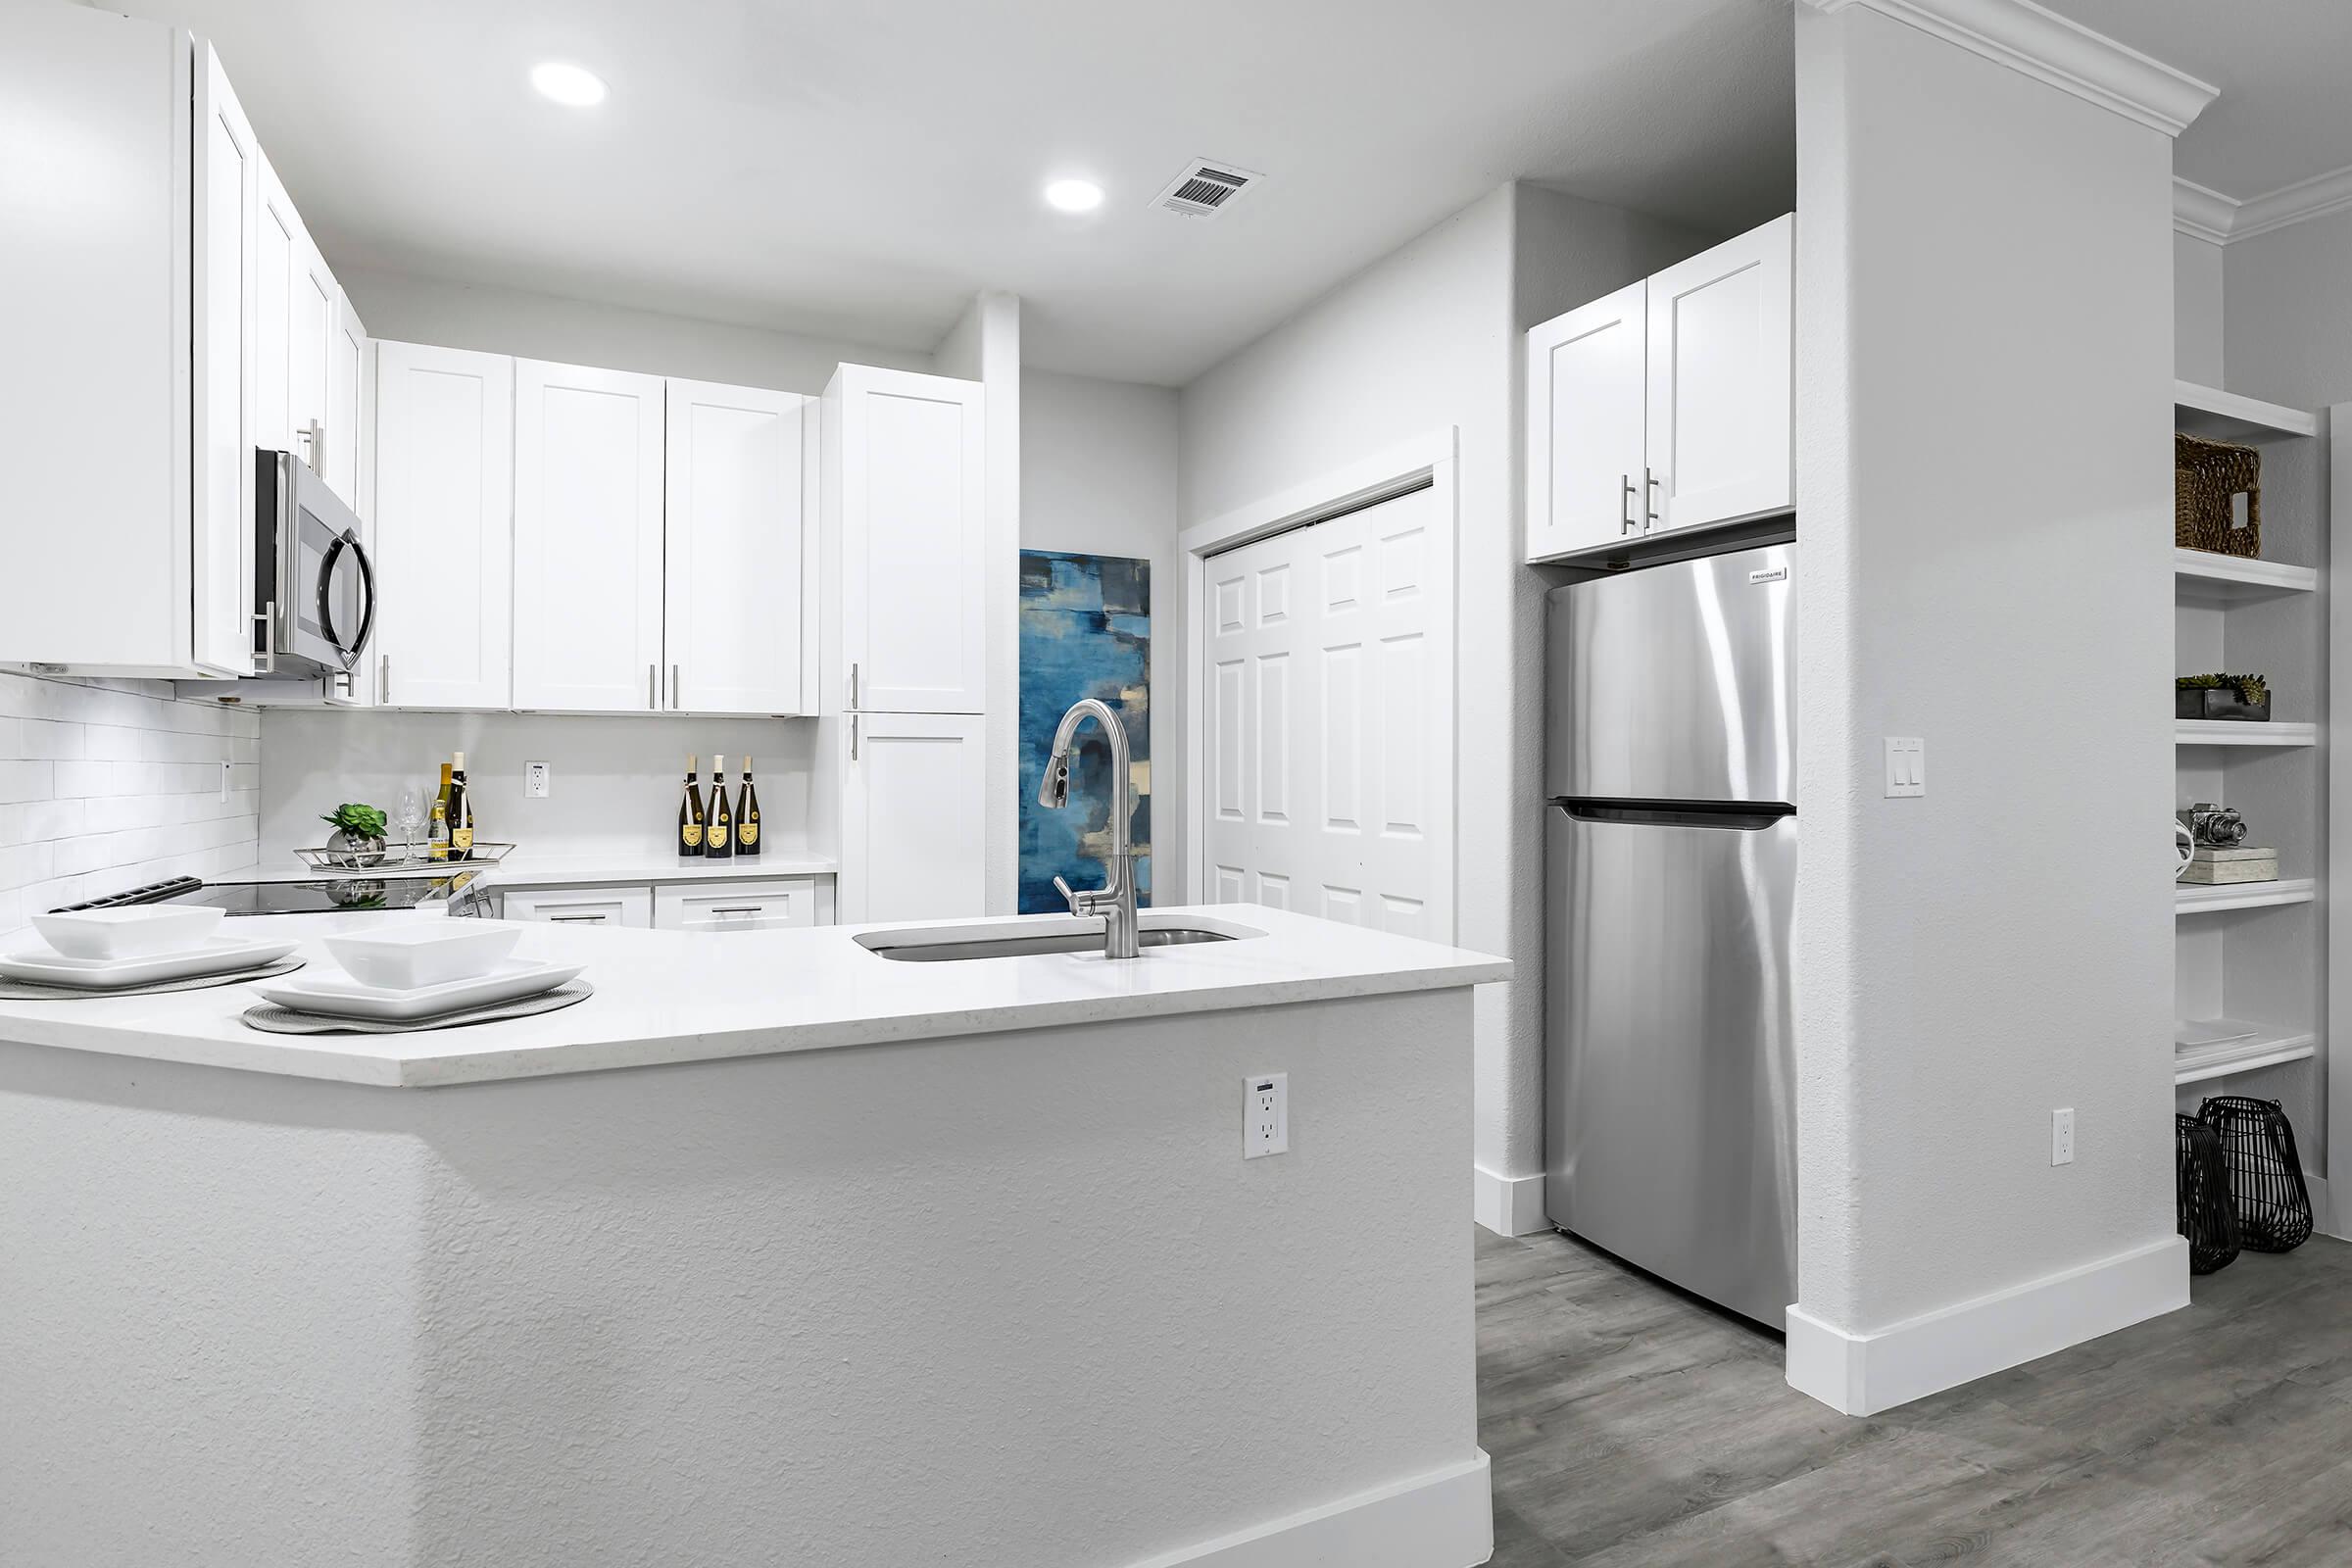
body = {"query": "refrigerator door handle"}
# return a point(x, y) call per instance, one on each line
point(1747, 817)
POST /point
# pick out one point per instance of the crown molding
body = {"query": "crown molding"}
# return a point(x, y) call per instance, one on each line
point(2202, 214)
point(2049, 48)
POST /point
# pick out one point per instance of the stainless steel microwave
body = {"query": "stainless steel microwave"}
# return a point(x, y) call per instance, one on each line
point(314, 587)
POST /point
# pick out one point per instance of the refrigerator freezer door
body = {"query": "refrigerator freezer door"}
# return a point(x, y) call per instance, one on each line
point(1668, 1052)
point(1675, 682)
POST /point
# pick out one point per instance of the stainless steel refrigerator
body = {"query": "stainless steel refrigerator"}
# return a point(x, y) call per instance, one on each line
point(1669, 845)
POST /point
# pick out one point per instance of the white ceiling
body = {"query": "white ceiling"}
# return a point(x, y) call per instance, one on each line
point(2284, 113)
point(861, 167)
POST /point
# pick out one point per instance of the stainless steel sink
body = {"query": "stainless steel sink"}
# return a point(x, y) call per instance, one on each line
point(941, 946)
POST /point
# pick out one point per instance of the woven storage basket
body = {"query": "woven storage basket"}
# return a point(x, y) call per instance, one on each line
point(2206, 478)
point(2202, 1192)
point(2265, 1173)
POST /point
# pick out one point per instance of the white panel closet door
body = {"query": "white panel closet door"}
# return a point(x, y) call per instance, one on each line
point(1329, 721)
point(735, 529)
point(587, 540)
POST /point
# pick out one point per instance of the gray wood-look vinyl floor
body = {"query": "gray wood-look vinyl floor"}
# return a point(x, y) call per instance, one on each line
point(1630, 1427)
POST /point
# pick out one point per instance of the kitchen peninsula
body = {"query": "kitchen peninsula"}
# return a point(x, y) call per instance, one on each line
point(780, 1248)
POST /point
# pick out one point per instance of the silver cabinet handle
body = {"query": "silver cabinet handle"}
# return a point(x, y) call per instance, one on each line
point(674, 685)
point(315, 439)
point(852, 737)
point(746, 910)
point(575, 919)
point(1625, 507)
point(852, 685)
point(1650, 478)
point(264, 657)
point(383, 679)
point(653, 687)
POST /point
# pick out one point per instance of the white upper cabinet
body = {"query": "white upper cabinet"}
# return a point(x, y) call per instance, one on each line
point(1719, 351)
point(346, 404)
point(902, 468)
point(1665, 404)
point(310, 350)
point(1585, 412)
point(444, 527)
point(280, 245)
point(736, 631)
point(587, 540)
point(227, 192)
point(913, 809)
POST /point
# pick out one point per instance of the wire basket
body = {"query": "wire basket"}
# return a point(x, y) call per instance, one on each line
point(2208, 476)
point(2202, 1185)
point(2266, 1174)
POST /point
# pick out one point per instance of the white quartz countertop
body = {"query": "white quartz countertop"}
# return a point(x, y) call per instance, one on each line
point(527, 867)
point(802, 990)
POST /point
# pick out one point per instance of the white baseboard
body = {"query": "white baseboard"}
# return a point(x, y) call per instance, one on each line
point(2322, 1212)
point(1507, 1205)
point(1862, 1374)
point(1445, 1519)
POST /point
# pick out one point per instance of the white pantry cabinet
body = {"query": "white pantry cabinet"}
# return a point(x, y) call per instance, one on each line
point(125, 312)
point(912, 797)
point(737, 635)
point(1667, 404)
point(904, 459)
point(444, 527)
point(587, 540)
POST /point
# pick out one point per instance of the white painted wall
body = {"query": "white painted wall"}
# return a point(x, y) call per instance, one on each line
point(985, 346)
point(1981, 257)
point(841, 1308)
point(543, 327)
point(2291, 314)
point(1099, 475)
point(615, 786)
point(1425, 338)
point(2197, 310)
point(108, 785)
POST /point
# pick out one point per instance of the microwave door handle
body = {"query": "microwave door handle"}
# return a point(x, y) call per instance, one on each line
point(326, 601)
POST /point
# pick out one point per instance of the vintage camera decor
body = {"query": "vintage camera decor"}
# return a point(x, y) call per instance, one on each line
point(2215, 827)
point(2217, 851)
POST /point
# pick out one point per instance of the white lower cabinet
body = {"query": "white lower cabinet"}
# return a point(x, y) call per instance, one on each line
point(736, 906)
point(912, 817)
point(620, 906)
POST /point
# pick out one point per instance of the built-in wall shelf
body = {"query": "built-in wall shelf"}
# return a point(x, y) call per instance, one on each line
point(2200, 900)
point(2243, 732)
point(2219, 416)
point(2199, 577)
point(2196, 1063)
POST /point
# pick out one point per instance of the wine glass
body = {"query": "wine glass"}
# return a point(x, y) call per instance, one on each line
point(410, 817)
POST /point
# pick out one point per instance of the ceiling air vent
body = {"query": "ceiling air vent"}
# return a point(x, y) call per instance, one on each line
point(1206, 189)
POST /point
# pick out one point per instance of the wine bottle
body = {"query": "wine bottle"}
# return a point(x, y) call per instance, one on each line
point(747, 815)
point(461, 811)
point(721, 836)
point(690, 816)
point(440, 839)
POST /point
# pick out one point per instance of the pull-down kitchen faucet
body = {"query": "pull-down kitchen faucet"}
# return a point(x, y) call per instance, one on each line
point(1114, 900)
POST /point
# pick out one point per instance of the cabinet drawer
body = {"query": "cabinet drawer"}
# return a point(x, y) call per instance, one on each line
point(755, 905)
point(630, 906)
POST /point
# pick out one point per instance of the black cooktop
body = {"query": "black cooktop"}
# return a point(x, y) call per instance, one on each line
point(323, 895)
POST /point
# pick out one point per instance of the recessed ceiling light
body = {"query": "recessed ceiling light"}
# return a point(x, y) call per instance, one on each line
point(1074, 195)
point(573, 86)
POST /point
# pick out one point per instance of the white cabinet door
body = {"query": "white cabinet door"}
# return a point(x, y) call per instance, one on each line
point(910, 818)
point(587, 539)
point(1720, 354)
point(346, 399)
point(310, 352)
point(226, 194)
point(280, 244)
point(624, 906)
point(735, 579)
point(907, 456)
point(1584, 411)
point(735, 906)
point(444, 526)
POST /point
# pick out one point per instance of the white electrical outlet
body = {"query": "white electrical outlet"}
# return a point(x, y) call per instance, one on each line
point(535, 777)
point(2062, 1137)
point(1266, 1114)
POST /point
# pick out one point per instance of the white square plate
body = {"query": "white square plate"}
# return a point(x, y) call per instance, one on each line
point(335, 996)
point(135, 931)
point(221, 956)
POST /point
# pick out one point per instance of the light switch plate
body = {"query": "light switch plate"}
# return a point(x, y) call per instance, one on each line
point(1906, 766)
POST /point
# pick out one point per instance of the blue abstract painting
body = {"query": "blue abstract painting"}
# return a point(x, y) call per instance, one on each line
point(1086, 631)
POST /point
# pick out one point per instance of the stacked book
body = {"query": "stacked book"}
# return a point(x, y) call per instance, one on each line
point(2213, 867)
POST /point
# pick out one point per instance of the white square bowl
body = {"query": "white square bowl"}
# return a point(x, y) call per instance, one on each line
point(133, 931)
point(423, 952)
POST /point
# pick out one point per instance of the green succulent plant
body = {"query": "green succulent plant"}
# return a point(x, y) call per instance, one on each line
point(359, 821)
point(2199, 683)
point(2252, 690)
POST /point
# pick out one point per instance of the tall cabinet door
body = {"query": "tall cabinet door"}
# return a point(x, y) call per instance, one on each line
point(912, 818)
point(445, 527)
point(734, 545)
point(310, 352)
point(587, 540)
point(907, 456)
point(227, 166)
point(278, 246)
point(1720, 354)
point(346, 403)
point(1583, 425)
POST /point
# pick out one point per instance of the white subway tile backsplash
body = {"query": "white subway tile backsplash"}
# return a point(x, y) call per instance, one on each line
point(110, 785)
